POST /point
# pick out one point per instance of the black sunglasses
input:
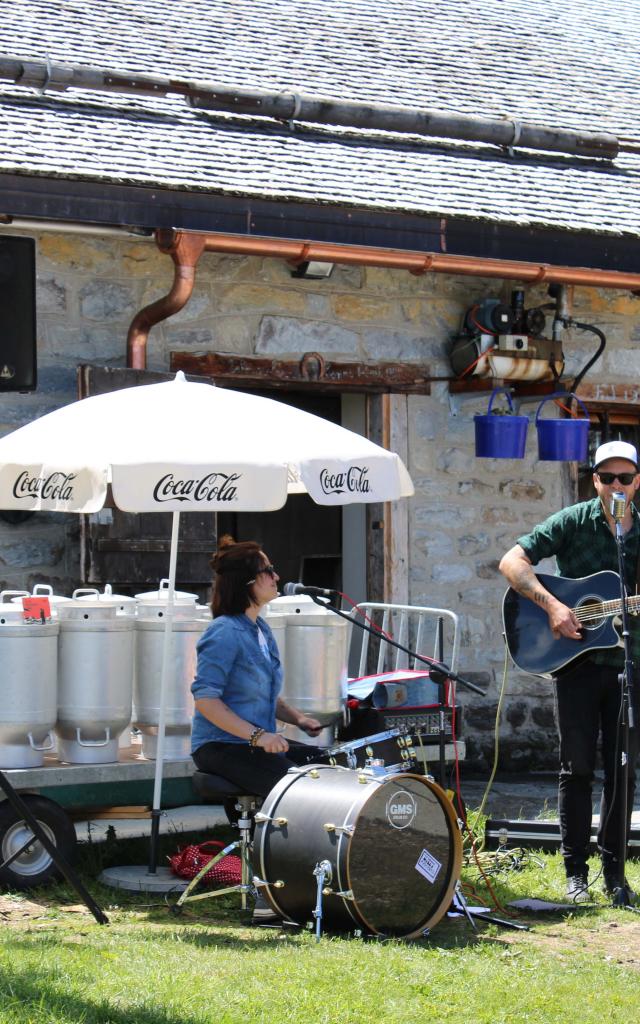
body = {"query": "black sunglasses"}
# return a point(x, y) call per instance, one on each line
point(270, 571)
point(624, 478)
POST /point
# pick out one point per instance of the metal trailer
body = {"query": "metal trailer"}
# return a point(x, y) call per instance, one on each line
point(62, 798)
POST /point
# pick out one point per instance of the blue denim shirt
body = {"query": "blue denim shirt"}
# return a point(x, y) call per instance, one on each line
point(233, 666)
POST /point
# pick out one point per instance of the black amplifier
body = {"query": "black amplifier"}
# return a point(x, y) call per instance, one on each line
point(418, 721)
point(423, 721)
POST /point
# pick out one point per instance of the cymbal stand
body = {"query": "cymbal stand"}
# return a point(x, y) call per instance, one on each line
point(459, 902)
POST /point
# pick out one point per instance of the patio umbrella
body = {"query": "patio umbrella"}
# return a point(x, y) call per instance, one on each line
point(184, 446)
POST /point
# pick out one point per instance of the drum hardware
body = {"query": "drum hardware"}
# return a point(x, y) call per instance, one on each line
point(244, 887)
point(246, 804)
point(374, 751)
point(351, 762)
point(260, 883)
point(460, 904)
point(323, 873)
point(346, 830)
point(280, 822)
point(367, 741)
point(313, 774)
point(382, 771)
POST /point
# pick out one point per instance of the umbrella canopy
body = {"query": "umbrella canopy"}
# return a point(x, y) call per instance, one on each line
point(183, 446)
point(180, 446)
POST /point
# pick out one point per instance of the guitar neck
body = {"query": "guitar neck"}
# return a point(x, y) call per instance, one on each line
point(605, 609)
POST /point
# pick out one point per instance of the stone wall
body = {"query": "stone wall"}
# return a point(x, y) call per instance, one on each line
point(466, 511)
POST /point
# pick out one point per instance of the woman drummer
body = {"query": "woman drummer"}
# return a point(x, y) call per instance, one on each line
point(238, 679)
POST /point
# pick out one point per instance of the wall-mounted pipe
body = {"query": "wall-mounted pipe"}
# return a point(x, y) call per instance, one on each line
point(185, 252)
point(185, 248)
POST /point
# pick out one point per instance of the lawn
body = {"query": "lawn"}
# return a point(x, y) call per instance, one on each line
point(208, 965)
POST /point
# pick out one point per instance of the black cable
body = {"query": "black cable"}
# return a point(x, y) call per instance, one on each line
point(603, 342)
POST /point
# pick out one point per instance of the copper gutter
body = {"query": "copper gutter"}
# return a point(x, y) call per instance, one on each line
point(185, 248)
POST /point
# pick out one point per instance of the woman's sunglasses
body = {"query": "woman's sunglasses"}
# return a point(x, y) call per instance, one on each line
point(624, 478)
point(270, 571)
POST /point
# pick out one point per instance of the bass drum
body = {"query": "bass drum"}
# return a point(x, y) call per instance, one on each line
point(392, 843)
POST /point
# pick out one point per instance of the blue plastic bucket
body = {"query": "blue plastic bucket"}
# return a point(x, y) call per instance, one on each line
point(500, 437)
point(562, 440)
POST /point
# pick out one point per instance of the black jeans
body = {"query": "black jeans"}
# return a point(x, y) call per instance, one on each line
point(252, 768)
point(588, 703)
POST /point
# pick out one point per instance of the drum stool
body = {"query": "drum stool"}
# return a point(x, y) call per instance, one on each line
point(214, 789)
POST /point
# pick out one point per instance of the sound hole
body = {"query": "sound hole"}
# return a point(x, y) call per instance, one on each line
point(590, 613)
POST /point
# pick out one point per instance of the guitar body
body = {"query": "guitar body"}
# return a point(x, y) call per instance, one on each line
point(532, 645)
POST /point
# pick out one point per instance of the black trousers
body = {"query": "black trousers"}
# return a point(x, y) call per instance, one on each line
point(252, 768)
point(588, 704)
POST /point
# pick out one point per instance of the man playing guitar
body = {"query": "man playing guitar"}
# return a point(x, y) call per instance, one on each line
point(587, 690)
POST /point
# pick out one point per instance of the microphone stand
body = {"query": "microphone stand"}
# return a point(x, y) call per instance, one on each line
point(440, 671)
point(621, 896)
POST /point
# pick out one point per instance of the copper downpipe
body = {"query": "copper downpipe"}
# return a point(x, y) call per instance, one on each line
point(185, 252)
point(185, 248)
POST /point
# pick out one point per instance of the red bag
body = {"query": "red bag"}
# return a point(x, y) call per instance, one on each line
point(190, 860)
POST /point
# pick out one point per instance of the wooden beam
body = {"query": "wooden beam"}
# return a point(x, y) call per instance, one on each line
point(311, 371)
point(624, 398)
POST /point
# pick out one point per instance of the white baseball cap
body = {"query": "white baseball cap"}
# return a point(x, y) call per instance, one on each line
point(616, 450)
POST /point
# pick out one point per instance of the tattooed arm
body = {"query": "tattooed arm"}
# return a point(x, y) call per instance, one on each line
point(518, 570)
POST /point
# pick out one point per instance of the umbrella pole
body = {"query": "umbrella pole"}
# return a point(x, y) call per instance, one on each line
point(167, 667)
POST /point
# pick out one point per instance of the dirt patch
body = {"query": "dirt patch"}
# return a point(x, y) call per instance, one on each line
point(19, 910)
point(614, 941)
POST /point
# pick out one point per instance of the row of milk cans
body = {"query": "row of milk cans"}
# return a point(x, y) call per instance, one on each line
point(75, 681)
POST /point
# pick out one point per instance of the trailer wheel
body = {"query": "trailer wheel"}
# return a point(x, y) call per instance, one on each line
point(34, 866)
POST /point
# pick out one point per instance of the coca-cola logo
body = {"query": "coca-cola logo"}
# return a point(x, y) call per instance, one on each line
point(56, 486)
point(353, 479)
point(212, 487)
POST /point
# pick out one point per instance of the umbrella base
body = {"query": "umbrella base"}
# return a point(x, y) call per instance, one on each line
point(137, 878)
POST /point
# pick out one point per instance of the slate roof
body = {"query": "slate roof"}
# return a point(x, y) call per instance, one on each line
point(574, 64)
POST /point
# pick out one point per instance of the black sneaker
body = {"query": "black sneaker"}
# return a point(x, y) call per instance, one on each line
point(611, 884)
point(577, 890)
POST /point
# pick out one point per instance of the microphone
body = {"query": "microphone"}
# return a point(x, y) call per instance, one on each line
point(291, 589)
point(618, 506)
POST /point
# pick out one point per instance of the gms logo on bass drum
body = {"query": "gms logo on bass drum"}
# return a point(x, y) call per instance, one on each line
point(354, 479)
point(212, 487)
point(401, 809)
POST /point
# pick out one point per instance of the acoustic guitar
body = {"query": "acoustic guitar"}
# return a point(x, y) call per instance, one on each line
point(594, 600)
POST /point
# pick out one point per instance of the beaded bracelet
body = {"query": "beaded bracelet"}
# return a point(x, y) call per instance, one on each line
point(255, 736)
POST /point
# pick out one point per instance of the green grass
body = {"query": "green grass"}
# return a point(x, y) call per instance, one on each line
point(150, 967)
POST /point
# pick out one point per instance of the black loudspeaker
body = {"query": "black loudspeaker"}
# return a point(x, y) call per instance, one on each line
point(17, 314)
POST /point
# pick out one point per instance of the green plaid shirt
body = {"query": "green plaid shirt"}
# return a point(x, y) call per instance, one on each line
point(581, 540)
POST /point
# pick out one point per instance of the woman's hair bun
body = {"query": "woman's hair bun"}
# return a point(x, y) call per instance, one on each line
point(225, 541)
